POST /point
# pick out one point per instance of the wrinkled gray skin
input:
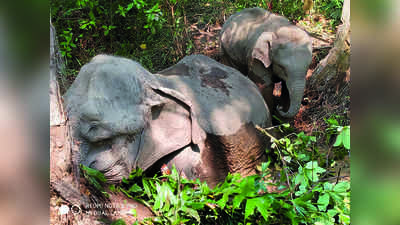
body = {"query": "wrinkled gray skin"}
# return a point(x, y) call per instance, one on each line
point(269, 49)
point(127, 117)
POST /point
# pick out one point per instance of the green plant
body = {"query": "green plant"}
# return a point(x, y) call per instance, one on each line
point(154, 18)
point(67, 43)
point(118, 222)
point(87, 25)
point(332, 9)
point(107, 29)
point(96, 178)
point(303, 196)
point(342, 132)
point(292, 9)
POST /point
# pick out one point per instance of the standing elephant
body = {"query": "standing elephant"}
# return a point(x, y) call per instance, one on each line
point(269, 49)
point(198, 115)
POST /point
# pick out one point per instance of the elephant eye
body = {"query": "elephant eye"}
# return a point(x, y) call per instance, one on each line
point(93, 131)
point(93, 127)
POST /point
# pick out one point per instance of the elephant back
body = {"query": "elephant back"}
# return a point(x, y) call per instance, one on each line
point(241, 30)
point(222, 99)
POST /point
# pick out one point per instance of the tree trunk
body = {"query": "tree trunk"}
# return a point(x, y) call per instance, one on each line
point(328, 88)
point(64, 171)
point(333, 70)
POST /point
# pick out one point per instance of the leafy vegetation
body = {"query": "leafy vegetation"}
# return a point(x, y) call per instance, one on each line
point(306, 191)
point(293, 9)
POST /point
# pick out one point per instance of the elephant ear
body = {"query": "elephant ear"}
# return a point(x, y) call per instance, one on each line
point(261, 49)
point(171, 126)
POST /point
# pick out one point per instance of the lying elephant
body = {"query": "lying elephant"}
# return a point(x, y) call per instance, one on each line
point(198, 114)
point(269, 49)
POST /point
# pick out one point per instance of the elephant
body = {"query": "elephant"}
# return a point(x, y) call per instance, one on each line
point(198, 115)
point(269, 49)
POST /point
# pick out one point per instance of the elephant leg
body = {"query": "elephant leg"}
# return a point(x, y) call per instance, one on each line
point(237, 153)
point(244, 150)
point(284, 98)
point(267, 93)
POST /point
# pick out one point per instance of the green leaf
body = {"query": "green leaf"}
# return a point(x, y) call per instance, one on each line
point(134, 213)
point(324, 219)
point(333, 121)
point(124, 180)
point(323, 202)
point(250, 206)
point(344, 219)
point(312, 171)
point(314, 166)
point(336, 197)
point(302, 190)
point(118, 222)
point(264, 166)
point(339, 140)
point(287, 158)
point(237, 200)
point(193, 213)
point(135, 188)
point(341, 187)
point(129, 7)
point(225, 197)
point(94, 176)
point(261, 203)
point(328, 186)
point(147, 188)
point(195, 205)
point(112, 188)
point(299, 177)
point(346, 137)
point(332, 212)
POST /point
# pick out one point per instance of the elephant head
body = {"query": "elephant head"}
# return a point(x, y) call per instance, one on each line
point(126, 117)
point(287, 51)
point(271, 49)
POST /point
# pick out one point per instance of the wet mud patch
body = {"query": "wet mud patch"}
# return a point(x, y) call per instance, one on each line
point(214, 79)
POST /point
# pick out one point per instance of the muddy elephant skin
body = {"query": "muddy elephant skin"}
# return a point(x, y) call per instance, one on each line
point(198, 115)
point(269, 49)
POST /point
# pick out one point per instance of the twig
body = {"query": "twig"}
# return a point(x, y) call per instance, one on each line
point(271, 128)
point(322, 47)
point(317, 36)
point(327, 157)
point(340, 169)
point(266, 133)
point(332, 178)
point(286, 173)
point(280, 156)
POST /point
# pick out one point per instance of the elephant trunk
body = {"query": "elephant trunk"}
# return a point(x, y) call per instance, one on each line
point(296, 92)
